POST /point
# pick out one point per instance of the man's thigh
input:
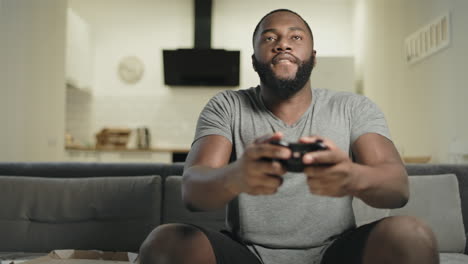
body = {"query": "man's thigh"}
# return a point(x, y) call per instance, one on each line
point(349, 247)
point(227, 249)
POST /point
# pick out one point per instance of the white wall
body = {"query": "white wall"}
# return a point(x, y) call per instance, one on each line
point(425, 103)
point(144, 28)
point(32, 92)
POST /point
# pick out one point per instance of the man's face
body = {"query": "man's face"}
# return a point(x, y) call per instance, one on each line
point(283, 52)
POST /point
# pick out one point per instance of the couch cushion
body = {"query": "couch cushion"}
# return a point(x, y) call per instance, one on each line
point(453, 258)
point(105, 213)
point(434, 199)
point(365, 214)
point(460, 170)
point(174, 210)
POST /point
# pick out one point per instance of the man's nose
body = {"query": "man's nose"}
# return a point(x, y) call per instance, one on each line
point(283, 45)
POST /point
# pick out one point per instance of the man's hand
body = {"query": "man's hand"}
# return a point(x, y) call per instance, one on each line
point(255, 173)
point(378, 177)
point(329, 172)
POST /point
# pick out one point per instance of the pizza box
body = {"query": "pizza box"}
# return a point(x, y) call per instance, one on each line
point(72, 256)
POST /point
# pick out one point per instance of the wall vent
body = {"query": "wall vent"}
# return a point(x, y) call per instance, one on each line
point(428, 40)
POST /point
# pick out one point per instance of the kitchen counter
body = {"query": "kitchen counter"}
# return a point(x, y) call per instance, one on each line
point(113, 149)
point(105, 154)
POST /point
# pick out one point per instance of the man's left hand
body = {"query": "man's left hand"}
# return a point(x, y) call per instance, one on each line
point(329, 172)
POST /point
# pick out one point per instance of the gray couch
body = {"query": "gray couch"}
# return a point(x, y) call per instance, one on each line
point(112, 207)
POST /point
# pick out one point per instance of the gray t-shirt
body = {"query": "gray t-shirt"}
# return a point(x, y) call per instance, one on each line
point(293, 225)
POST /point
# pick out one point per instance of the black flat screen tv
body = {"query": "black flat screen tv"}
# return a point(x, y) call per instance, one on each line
point(201, 67)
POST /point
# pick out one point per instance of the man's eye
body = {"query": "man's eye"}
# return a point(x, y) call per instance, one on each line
point(297, 37)
point(269, 38)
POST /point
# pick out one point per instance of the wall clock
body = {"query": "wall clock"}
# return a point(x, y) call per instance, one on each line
point(131, 69)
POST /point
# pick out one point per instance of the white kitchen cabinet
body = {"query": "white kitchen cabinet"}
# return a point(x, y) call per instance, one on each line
point(79, 52)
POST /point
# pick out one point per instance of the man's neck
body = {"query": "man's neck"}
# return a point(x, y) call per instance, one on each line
point(289, 110)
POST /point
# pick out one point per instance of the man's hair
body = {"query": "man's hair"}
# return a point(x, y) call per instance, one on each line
point(280, 10)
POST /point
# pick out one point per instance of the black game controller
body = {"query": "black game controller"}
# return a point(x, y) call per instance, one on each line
point(294, 164)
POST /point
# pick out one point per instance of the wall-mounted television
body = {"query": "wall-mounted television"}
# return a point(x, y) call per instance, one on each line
point(201, 67)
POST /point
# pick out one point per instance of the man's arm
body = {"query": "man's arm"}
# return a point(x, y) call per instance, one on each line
point(204, 176)
point(209, 182)
point(378, 177)
point(384, 180)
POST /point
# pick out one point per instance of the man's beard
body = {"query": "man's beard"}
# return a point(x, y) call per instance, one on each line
point(284, 88)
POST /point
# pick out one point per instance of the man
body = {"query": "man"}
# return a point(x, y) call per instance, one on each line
point(276, 216)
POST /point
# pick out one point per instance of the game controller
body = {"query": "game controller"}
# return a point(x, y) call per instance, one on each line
point(295, 164)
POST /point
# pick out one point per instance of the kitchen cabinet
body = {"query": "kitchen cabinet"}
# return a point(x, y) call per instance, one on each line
point(79, 52)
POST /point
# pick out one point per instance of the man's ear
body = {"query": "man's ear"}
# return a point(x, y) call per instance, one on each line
point(315, 57)
point(253, 62)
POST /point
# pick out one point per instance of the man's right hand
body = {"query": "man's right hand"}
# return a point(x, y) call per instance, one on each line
point(210, 182)
point(256, 173)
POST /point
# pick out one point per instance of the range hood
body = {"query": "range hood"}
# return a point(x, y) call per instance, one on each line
point(202, 65)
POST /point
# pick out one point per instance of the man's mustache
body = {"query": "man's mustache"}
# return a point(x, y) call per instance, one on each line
point(285, 56)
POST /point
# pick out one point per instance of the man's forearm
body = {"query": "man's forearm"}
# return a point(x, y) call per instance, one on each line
point(382, 186)
point(206, 188)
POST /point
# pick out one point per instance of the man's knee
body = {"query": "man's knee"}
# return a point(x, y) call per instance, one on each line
point(409, 228)
point(175, 243)
point(406, 232)
point(401, 239)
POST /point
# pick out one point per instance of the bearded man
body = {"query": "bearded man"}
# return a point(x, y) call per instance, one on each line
point(276, 216)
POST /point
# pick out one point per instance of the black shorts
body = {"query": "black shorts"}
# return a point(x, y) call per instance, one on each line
point(347, 248)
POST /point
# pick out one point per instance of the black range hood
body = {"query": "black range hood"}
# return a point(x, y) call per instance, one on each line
point(201, 66)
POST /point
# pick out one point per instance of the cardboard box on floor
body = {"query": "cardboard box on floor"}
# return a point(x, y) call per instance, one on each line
point(71, 256)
